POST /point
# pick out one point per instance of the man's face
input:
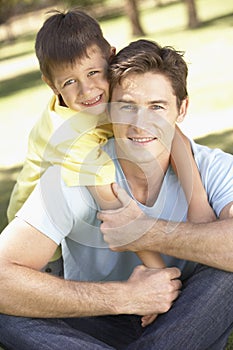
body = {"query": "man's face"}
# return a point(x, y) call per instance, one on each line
point(83, 85)
point(144, 112)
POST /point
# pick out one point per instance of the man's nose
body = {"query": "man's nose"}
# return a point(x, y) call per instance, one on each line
point(140, 120)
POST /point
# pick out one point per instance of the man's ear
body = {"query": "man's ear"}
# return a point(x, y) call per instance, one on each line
point(49, 83)
point(183, 110)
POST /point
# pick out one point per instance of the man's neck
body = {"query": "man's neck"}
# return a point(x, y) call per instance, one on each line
point(145, 180)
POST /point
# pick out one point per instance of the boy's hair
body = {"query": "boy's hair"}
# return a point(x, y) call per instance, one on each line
point(65, 37)
point(144, 56)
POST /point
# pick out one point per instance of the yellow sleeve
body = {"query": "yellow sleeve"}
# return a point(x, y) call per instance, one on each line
point(70, 141)
point(85, 163)
point(34, 165)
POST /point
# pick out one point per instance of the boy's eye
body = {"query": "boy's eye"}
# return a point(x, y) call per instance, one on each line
point(69, 82)
point(92, 73)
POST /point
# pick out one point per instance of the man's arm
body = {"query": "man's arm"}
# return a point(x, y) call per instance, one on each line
point(209, 243)
point(25, 291)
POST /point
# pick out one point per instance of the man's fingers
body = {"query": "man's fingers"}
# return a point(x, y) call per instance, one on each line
point(123, 197)
point(103, 215)
point(121, 194)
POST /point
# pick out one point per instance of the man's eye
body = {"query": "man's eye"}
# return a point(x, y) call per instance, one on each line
point(156, 107)
point(129, 108)
point(69, 82)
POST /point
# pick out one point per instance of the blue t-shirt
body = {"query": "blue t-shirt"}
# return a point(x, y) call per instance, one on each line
point(67, 215)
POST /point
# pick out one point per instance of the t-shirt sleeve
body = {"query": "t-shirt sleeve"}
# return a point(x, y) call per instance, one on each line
point(47, 209)
point(218, 180)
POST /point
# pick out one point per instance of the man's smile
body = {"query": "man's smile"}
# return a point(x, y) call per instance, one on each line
point(142, 140)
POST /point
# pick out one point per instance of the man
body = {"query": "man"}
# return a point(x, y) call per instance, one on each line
point(101, 282)
point(147, 98)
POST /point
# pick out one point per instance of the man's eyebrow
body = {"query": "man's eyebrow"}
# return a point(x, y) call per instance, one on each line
point(148, 103)
point(126, 101)
point(154, 102)
point(165, 102)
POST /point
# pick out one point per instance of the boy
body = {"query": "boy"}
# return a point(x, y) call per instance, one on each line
point(73, 57)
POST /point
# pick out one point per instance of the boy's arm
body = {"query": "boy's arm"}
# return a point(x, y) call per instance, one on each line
point(184, 165)
point(107, 200)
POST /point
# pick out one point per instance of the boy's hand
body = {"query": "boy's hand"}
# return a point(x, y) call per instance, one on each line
point(147, 320)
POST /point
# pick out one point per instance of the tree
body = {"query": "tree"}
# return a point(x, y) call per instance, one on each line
point(10, 8)
point(133, 13)
point(193, 21)
point(7, 9)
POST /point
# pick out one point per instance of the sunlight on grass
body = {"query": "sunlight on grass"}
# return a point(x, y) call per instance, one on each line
point(14, 133)
point(215, 8)
point(14, 50)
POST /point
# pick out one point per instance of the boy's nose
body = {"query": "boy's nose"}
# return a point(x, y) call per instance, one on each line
point(85, 88)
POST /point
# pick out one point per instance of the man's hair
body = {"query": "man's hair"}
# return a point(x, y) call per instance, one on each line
point(65, 37)
point(144, 56)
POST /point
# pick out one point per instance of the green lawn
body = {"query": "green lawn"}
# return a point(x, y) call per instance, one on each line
point(209, 52)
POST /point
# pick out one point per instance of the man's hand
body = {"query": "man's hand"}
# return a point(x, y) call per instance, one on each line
point(122, 227)
point(153, 291)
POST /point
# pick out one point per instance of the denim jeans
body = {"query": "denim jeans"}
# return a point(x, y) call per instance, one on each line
point(200, 319)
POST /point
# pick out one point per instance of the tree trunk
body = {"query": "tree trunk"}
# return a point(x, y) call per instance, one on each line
point(193, 21)
point(133, 13)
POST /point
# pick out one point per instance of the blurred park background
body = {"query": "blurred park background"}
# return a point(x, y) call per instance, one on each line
point(201, 28)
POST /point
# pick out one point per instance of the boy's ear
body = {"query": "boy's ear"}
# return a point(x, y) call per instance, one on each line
point(112, 53)
point(183, 110)
point(49, 83)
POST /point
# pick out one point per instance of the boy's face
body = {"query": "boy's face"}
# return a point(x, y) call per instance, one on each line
point(84, 84)
point(144, 113)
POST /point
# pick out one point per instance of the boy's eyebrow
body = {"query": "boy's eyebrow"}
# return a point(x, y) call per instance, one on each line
point(92, 68)
point(64, 77)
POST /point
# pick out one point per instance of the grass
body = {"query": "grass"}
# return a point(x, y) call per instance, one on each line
point(208, 50)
